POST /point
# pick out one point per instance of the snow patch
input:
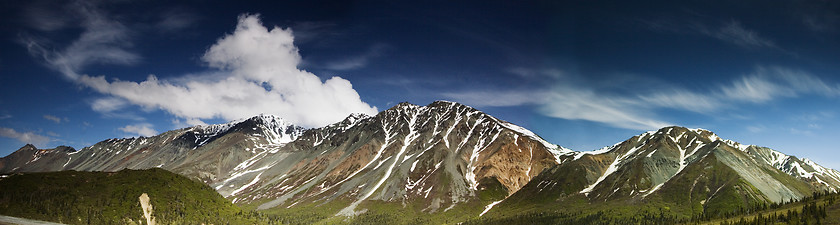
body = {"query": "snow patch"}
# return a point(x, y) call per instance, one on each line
point(256, 179)
point(611, 169)
point(554, 149)
point(488, 207)
point(603, 150)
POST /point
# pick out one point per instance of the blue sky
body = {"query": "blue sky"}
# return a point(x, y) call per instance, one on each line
point(580, 74)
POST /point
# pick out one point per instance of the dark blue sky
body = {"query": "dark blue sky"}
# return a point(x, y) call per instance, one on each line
point(582, 74)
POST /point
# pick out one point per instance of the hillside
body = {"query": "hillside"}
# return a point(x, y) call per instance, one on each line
point(674, 172)
point(73, 197)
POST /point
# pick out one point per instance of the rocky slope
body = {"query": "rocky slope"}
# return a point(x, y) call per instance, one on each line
point(442, 154)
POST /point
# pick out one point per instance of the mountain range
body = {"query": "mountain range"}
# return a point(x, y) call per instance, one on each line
point(450, 159)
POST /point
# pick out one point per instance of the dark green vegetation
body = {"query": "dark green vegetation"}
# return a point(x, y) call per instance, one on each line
point(376, 212)
point(112, 198)
point(820, 208)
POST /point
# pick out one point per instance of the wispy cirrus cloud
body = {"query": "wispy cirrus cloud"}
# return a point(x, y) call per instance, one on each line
point(638, 111)
point(141, 129)
point(768, 83)
point(590, 105)
point(358, 61)
point(819, 16)
point(25, 137)
point(114, 107)
point(55, 118)
point(681, 99)
point(500, 98)
point(572, 102)
point(103, 41)
point(175, 20)
point(734, 33)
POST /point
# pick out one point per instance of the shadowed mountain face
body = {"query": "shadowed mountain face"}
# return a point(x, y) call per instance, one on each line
point(31, 159)
point(447, 155)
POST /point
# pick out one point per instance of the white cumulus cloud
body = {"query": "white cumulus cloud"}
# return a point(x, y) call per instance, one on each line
point(252, 70)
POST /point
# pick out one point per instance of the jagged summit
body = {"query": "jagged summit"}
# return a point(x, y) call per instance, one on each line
point(402, 105)
point(31, 159)
point(269, 118)
point(262, 118)
point(446, 108)
point(65, 148)
point(272, 127)
point(434, 104)
point(27, 147)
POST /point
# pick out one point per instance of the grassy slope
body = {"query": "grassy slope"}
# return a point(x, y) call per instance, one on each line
point(112, 198)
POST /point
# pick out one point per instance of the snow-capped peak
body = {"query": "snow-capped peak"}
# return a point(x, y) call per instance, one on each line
point(532, 135)
point(274, 128)
point(603, 150)
point(269, 118)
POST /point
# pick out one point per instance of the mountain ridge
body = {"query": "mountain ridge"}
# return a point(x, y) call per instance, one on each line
point(685, 170)
point(447, 157)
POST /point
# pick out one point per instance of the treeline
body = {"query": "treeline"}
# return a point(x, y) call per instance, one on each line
point(711, 214)
point(810, 214)
point(600, 217)
point(813, 211)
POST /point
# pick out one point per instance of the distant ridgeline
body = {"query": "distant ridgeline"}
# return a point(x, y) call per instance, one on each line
point(440, 163)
